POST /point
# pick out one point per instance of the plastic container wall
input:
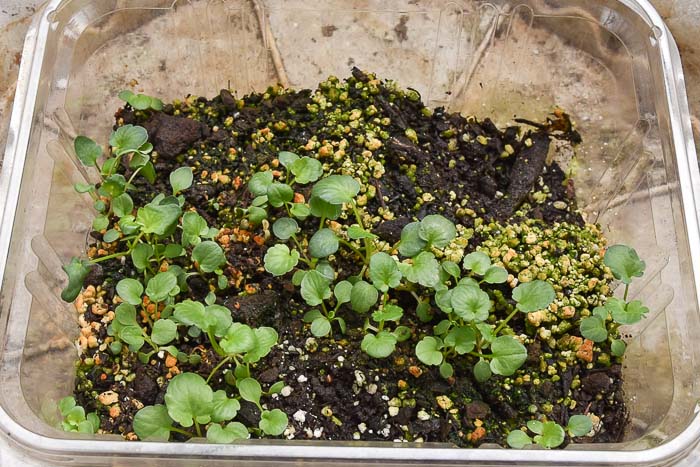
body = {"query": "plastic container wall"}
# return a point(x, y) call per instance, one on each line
point(612, 65)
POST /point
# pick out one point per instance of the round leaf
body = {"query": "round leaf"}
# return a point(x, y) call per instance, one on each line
point(363, 296)
point(284, 228)
point(533, 296)
point(355, 232)
point(518, 439)
point(122, 205)
point(477, 262)
point(164, 331)
point(239, 338)
point(337, 189)
point(624, 263)
point(462, 339)
point(451, 268)
point(411, 242)
point(618, 347)
point(593, 328)
point(153, 423)
point(508, 355)
point(190, 313)
point(495, 275)
point(249, 390)
point(306, 170)
point(223, 408)
point(209, 256)
point(279, 260)
point(384, 272)
point(446, 370)
point(552, 435)
point(287, 158)
point(380, 346)
point(181, 179)
point(259, 183)
point(323, 243)
point(428, 351)
point(160, 285)
point(300, 211)
point(626, 313)
point(273, 422)
point(424, 269)
point(437, 231)
point(320, 326)
point(482, 371)
point(342, 291)
point(579, 425)
point(189, 398)
point(470, 303)
point(127, 138)
point(279, 193)
point(315, 288)
point(228, 434)
point(87, 150)
point(130, 290)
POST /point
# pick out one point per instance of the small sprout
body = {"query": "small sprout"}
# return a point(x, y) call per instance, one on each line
point(618, 347)
point(250, 390)
point(152, 423)
point(164, 331)
point(127, 139)
point(579, 425)
point(315, 288)
point(156, 218)
point(549, 434)
point(284, 228)
point(287, 158)
point(323, 209)
point(593, 328)
point(77, 271)
point(423, 269)
point(518, 439)
point(470, 303)
point(273, 422)
point(356, 232)
point(482, 371)
point(141, 101)
point(227, 434)
point(411, 241)
point(320, 326)
point(306, 170)
point(380, 345)
point(122, 205)
point(279, 260)
point(189, 399)
point(223, 408)
point(507, 355)
point(161, 286)
point(343, 291)
point(626, 313)
point(363, 296)
point(75, 419)
point(428, 350)
point(462, 339)
point(279, 193)
point(323, 243)
point(477, 262)
point(437, 231)
point(259, 183)
point(87, 151)
point(384, 272)
point(130, 290)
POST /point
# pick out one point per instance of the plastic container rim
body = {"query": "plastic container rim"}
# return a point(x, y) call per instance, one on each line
point(10, 180)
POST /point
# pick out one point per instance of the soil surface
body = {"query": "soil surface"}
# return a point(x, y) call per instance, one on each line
point(413, 161)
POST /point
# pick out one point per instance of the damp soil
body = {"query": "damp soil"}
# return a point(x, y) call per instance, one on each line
point(432, 161)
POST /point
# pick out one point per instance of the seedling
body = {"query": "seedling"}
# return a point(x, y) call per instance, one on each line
point(75, 419)
point(549, 434)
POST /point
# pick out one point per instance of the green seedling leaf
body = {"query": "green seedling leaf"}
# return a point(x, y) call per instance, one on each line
point(601, 313)
point(173, 250)
point(451, 268)
point(141, 255)
point(193, 227)
point(160, 286)
point(363, 296)
point(279, 193)
point(153, 423)
point(518, 439)
point(342, 291)
point(260, 182)
point(209, 256)
point(311, 315)
point(552, 435)
point(443, 299)
point(125, 315)
point(442, 327)
point(507, 355)
point(133, 336)
point(164, 331)
point(223, 408)
point(533, 296)
point(323, 244)
point(130, 290)
point(380, 346)
point(384, 271)
point(284, 228)
point(390, 312)
point(87, 151)
point(188, 399)
point(428, 351)
point(224, 435)
point(279, 260)
point(77, 270)
point(158, 218)
point(495, 275)
point(240, 338)
point(300, 210)
point(535, 426)
point(618, 347)
point(315, 288)
point(326, 270)
point(423, 311)
point(122, 205)
point(181, 179)
point(266, 338)
point(355, 232)
point(323, 209)
point(249, 390)
point(336, 189)
point(437, 231)
point(446, 370)
point(113, 186)
point(626, 313)
point(276, 388)
point(477, 262)
point(273, 422)
point(462, 339)
point(306, 170)
point(100, 222)
point(83, 187)
point(411, 242)
point(593, 328)
point(482, 370)
point(402, 333)
point(287, 158)
point(190, 313)
point(424, 269)
point(127, 138)
point(579, 425)
point(624, 263)
point(486, 331)
point(470, 303)
point(320, 326)
point(218, 319)
point(111, 236)
point(128, 225)
point(66, 404)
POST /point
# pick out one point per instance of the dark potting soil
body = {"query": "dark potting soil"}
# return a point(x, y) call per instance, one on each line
point(419, 162)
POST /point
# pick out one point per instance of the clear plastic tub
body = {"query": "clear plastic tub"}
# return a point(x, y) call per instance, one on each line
point(612, 64)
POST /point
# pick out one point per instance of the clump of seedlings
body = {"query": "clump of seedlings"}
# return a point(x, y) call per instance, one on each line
point(342, 263)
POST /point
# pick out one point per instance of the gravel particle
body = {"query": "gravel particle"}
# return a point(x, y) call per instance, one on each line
point(302, 379)
point(372, 389)
point(423, 415)
point(286, 391)
point(393, 411)
point(300, 416)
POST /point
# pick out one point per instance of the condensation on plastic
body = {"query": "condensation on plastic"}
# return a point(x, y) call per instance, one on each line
point(611, 64)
